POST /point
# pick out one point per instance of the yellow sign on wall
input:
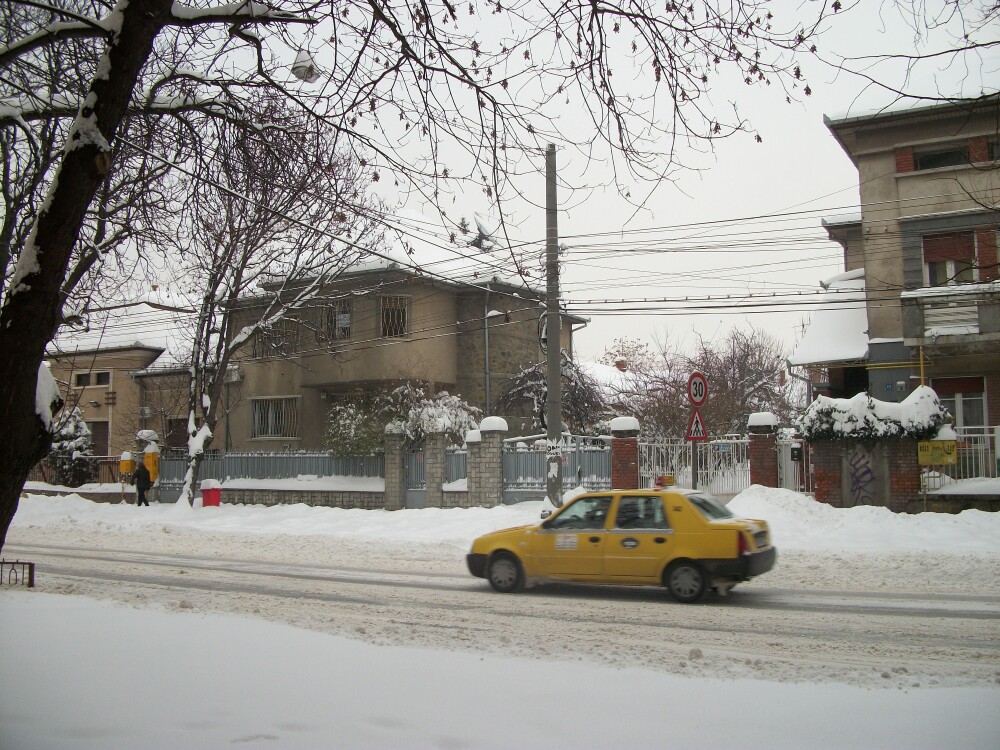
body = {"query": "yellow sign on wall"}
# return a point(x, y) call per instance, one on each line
point(937, 453)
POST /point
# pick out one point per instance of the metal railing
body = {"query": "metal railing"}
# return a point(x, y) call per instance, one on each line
point(977, 451)
point(17, 573)
point(586, 463)
point(723, 463)
point(273, 466)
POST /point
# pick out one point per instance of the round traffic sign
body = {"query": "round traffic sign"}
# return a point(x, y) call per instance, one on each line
point(697, 388)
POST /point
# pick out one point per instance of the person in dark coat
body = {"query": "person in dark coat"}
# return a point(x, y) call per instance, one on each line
point(142, 483)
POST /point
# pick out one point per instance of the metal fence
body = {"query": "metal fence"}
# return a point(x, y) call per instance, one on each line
point(723, 463)
point(586, 462)
point(977, 451)
point(266, 466)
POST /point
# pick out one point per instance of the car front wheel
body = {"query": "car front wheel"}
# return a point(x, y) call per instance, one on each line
point(685, 581)
point(505, 574)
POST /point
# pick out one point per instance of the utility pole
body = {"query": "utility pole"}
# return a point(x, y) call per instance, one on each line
point(553, 325)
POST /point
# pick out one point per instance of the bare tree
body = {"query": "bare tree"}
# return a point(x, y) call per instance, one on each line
point(949, 48)
point(423, 94)
point(745, 373)
point(273, 220)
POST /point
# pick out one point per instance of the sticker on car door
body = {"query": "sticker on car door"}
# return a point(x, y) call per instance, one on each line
point(567, 541)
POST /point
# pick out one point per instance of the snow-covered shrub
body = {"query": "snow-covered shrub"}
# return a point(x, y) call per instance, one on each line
point(354, 428)
point(862, 418)
point(357, 426)
point(71, 444)
point(419, 413)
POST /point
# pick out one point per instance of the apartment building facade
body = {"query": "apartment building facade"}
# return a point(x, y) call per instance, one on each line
point(925, 246)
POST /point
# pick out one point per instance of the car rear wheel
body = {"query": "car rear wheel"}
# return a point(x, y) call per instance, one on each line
point(686, 581)
point(504, 573)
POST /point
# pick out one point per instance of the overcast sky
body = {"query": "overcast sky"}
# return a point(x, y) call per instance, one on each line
point(743, 222)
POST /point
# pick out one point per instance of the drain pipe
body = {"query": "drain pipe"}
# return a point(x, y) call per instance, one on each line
point(486, 349)
point(802, 379)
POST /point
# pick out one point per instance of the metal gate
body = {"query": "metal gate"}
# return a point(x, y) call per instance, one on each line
point(723, 464)
point(794, 466)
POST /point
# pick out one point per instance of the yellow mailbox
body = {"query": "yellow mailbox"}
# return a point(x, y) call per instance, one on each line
point(151, 459)
point(126, 465)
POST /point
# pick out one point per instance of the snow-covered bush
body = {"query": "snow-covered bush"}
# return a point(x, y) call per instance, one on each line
point(72, 443)
point(354, 428)
point(419, 413)
point(865, 419)
point(357, 426)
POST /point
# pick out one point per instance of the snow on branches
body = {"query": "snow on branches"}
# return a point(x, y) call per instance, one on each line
point(865, 419)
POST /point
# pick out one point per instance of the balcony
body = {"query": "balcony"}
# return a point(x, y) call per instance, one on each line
point(966, 316)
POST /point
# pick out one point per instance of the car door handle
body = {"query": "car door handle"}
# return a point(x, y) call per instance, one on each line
point(595, 539)
point(659, 540)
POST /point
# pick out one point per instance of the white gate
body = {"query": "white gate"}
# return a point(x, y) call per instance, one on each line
point(723, 464)
point(794, 467)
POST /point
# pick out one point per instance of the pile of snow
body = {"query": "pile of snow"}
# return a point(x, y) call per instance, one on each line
point(797, 522)
point(861, 417)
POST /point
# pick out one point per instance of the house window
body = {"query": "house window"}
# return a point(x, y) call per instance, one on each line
point(275, 417)
point(953, 156)
point(393, 317)
point(337, 324)
point(279, 339)
point(81, 379)
point(949, 258)
point(964, 398)
point(102, 378)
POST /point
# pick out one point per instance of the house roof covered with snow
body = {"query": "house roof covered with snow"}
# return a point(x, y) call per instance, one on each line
point(838, 331)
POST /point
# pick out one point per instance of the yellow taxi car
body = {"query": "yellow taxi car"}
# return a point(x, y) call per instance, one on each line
point(684, 540)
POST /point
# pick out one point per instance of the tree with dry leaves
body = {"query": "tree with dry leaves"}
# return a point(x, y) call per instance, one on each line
point(431, 96)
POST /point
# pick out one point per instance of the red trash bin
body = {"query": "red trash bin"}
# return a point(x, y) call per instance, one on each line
point(211, 493)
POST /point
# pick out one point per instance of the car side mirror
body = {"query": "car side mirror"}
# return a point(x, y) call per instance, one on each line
point(546, 514)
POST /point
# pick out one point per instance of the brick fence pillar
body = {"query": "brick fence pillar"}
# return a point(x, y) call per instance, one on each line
point(395, 469)
point(434, 463)
point(625, 453)
point(763, 428)
point(490, 471)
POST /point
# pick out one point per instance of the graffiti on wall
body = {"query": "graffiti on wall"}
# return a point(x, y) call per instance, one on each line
point(862, 485)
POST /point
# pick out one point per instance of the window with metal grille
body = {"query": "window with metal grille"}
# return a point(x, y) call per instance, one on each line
point(275, 417)
point(393, 317)
point(337, 324)
point(949, 258)
point(279, 339)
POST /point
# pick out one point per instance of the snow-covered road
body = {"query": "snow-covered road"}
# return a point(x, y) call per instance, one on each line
point(816, 617)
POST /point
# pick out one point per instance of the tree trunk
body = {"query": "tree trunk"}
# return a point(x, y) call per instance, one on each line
point(31, 310)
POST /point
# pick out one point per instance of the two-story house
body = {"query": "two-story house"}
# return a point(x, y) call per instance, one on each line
point(923, 253)
point(120, 390)
point(372, 329)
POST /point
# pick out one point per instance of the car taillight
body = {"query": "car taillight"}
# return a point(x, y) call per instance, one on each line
point(744, 547)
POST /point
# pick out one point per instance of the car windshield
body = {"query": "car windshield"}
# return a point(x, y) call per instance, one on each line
point(710, 507)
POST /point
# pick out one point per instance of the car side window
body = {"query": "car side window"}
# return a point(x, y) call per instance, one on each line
point(641, 513)
point(585, 513)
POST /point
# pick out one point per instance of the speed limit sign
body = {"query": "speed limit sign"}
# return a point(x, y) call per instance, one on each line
point(697, 389)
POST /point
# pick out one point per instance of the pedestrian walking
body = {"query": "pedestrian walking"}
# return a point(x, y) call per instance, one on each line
point(142, 483)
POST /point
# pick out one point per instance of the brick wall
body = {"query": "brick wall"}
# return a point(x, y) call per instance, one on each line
point(624, 461)
point(764, 459)
point(904, 159)
point(900, 461)
point(993, 400)
point(986, 248)
point(979, 149)
point(826, 458)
